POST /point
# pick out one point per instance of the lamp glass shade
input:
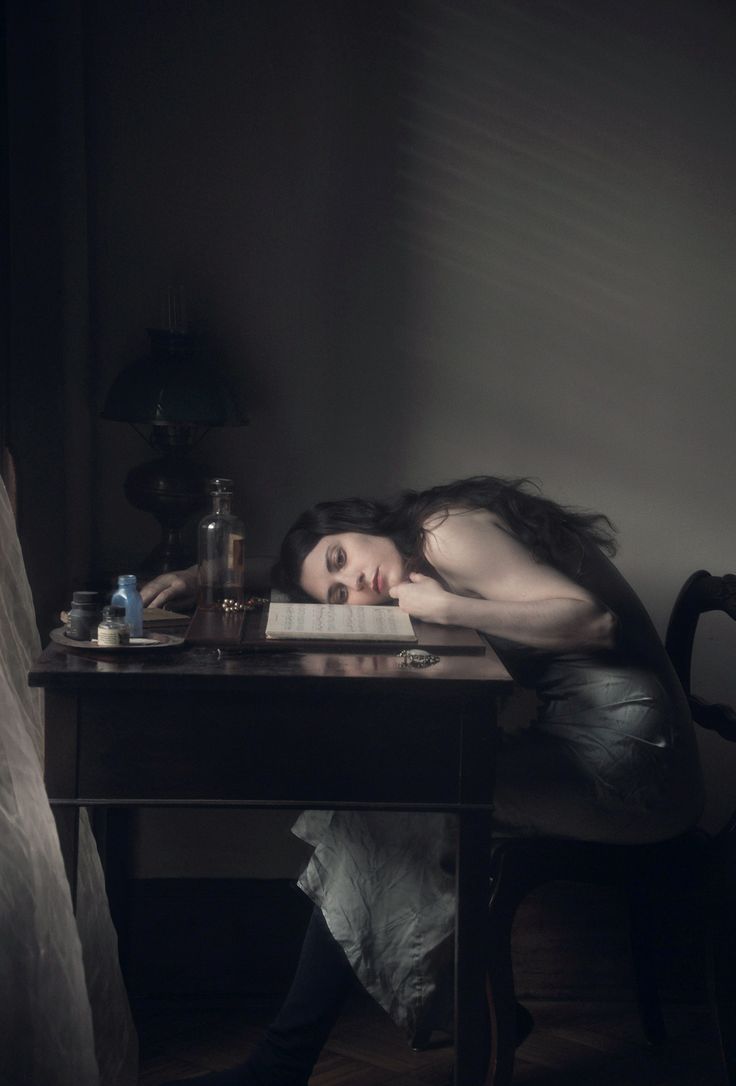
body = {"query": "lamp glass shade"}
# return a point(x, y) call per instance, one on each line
point(177, 383)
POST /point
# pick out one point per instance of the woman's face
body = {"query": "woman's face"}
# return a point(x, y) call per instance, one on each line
point(352, 567)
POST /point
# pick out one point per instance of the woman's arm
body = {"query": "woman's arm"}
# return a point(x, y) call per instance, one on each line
point(495, 585)
point(178, 586)
point(558, 623)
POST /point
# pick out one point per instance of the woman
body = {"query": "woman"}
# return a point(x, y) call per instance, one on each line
point(610, 757)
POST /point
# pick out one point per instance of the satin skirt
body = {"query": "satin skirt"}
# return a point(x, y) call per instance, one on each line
point(611, 757)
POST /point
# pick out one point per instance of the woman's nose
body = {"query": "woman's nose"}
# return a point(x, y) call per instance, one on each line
point(360, 582)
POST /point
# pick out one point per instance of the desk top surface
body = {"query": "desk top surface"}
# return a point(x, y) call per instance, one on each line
point(183, 667)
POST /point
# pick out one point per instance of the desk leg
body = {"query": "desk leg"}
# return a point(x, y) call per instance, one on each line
point(60, 753)
point(113, 831)
point(67, 826)
point(472, 1036)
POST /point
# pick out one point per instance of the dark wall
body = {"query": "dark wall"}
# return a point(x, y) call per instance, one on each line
point(430, 239)
point(35, 380)
point(249, 153)
point(49, 406)
point(434, 239)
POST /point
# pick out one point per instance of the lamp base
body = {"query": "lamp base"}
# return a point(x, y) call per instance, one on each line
point(170, 553)
point(173, 489)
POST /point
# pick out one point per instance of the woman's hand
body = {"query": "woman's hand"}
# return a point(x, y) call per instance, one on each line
point(178, 586)
point(424, 598)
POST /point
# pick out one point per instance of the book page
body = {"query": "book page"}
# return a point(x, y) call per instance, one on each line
point(338, 622)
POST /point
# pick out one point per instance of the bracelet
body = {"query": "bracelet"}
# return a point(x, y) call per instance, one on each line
point(417, 658)
point(253, 603)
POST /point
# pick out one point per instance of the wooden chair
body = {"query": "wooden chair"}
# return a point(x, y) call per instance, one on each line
point(700, 593)
point(520, 865)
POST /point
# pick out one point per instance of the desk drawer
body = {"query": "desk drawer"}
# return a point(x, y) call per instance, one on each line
point(388, 747)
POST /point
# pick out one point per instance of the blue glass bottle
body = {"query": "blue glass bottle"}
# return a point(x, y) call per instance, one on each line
point(127, 595)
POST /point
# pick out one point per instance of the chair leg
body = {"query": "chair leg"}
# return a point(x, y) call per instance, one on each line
point(420, 1041)
point(724, 999)
point(643, 933)
point(501, 997)
point(721, 951)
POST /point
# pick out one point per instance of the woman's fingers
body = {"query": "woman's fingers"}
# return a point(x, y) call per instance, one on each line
point(160, 599)
point(414, 578)
point(422, 597)
point(163, 588)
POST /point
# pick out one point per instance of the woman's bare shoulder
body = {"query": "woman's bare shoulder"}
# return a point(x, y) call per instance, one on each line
point(476, 553)
point(459, 520)
point(451, 533)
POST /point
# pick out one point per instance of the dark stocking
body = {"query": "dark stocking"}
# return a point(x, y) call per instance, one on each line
point(296, 1037)
point(294, 1040)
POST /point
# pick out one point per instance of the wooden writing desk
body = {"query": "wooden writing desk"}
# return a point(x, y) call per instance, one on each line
point(300, 730)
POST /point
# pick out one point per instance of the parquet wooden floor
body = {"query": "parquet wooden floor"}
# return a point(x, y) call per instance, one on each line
point(573, 1044)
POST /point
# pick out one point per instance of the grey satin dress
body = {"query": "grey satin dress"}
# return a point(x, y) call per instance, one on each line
point(611, 756)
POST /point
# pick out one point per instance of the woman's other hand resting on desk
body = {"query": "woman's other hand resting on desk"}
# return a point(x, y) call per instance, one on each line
point(179, 587)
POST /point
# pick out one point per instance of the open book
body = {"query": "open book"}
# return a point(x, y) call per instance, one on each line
point(338, 622)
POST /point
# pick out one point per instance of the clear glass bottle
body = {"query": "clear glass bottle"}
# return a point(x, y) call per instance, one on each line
point(127, 595)
point(113, 629)
point(221, 553)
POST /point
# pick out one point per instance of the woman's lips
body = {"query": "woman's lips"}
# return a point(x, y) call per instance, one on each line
point(377, 583)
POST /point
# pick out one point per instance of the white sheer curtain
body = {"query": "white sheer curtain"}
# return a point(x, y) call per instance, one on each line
point(64, 1015)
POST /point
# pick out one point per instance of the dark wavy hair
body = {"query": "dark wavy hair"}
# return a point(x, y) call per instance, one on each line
point(556, 534)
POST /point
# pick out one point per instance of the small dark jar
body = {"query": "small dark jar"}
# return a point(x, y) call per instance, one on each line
point(84, 616)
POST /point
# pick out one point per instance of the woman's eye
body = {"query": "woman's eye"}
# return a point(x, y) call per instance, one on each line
point(339, 559)
point(338, 594)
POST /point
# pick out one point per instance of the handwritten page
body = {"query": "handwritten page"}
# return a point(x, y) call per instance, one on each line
point(338, 622)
